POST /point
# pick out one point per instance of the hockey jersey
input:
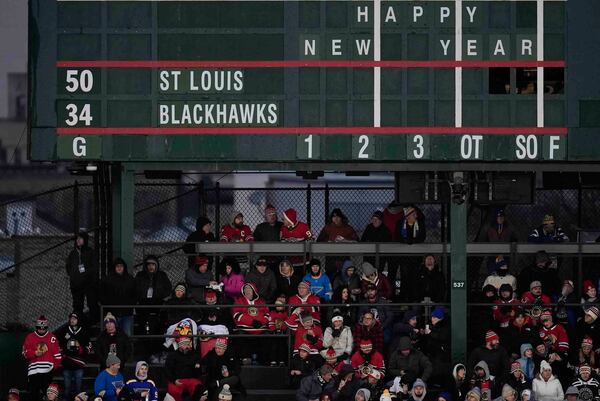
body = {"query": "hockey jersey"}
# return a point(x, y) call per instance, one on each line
point(556, 337)
point(245, 317)
point(309, 300)
point(140, 387)
point(361, 363)
point(46, 362)
point(230, 233)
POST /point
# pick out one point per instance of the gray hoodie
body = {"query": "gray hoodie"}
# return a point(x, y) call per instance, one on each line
point(366, 393)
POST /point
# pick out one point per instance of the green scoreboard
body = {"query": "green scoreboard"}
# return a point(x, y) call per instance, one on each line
point(314, 81)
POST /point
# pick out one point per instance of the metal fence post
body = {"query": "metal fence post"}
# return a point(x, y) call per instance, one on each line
point(75, 208)
point(201, 200)
point(217, 207)
point(326, 202)
point(308, 205)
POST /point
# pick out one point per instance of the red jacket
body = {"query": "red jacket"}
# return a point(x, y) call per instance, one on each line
point(529, 298)
point(301, 337)
point(330, 232)
point(244, 318)
point(278, 319)
point(49, 360)
point(310, 300)
point(300, 232)
point(230, 233)
point(390, 220)
point(560, 340)
point(376, 361)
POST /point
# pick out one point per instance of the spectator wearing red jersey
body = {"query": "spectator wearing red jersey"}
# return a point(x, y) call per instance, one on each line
point(365, 359)
point(236, 231)
point(294, 230)
point(506, 306)
point(254, 320)
point(304, 297)
point(42, 352)
point(536, 299)
point(306, 332)
point(553, 334)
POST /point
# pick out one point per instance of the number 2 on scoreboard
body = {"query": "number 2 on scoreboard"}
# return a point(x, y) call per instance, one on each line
point(308, 147)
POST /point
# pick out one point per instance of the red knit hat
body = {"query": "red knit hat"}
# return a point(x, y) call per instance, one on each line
point(546, 315)
point(330, 353)
point(366, 343)
point(587, 340)
point(304, 284)
point(221, 342)
point(515, 366)
point(291, 215)
point(587, 284)
point(491, 336)
point(200, 260)
point(52, 389)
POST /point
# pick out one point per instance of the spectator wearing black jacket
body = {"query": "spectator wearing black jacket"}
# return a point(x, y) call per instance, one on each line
point(82, 269)
point(541, 272)
point(179, 298)
point(112, 341)
point(493, 354)
point(344, 386)
point(221, 368)
point(203, 233)
point(75, 345)
point(287, 281)
point(376, 231)
point(264, 279)
point(411, 228)
point(118, 288)
point(429, 282)
point(152, 287)
point(182, 371)
point(270, 229)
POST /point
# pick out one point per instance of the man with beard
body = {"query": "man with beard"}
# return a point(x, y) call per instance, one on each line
point(236, 231)
point(366, 359)
point(371, 276)
point(381, 312)
point(311, 387)
point(535, 300)
point(182, 371)
point(586, 385)
point(493, 354)
point(419, 392)
point(270, 229)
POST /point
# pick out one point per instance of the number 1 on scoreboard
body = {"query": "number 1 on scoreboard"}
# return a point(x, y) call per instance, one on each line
point(308, 147)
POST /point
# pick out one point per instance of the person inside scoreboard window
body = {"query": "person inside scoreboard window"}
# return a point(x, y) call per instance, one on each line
point(548, 232)
point(236, 231)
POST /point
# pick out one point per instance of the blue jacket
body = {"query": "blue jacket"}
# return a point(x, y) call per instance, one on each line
point(320, 286)
point(109, 384)
point(139, 386)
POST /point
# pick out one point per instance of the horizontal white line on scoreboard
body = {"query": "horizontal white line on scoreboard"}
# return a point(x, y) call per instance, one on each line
point(311, 130)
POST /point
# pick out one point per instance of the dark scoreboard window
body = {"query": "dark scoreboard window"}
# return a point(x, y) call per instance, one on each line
point(299, 81)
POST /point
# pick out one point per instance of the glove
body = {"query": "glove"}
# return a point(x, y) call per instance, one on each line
point(336, 332)
point(311, 338)
point(256, 324)
point(342, 357)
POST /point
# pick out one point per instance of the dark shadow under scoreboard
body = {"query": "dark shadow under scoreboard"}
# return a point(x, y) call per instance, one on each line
point(302, 81)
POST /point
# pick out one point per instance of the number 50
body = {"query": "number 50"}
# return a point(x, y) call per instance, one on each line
point(76, 81)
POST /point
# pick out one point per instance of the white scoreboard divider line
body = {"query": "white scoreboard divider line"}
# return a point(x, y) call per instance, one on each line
point(458, 70)
point(377, 57)
point(540, 57)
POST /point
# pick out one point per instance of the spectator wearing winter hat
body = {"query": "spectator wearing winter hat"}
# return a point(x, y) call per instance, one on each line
point(545, 386)
point(305, 331)
point(231, 278)
point(304, 297)
point(587, 386)
point(13, 394)
point(590, 294)
point(408, 327)
point(588, 326)
point(252, 317)
point(505, 307)
point(499, 230)
point(337, 229)
point(548, 232)
point(118, 288)
point(42, 352)
point(556, 339)
point(236, 231)
point(109, 381)
point(526, 395)
point(572, 394)
point(376, 231)
point(52, 393)
point(142, 388)
point(264, 279)
point(509, 393)
point(312, 386)
point(371, 328)
point(519, 331)
point(566, 315)
point(408, 360)
point(474, 394)
point(501, 275)
point(112, 341)
point(381, 310)
point(182, 371)
point(82, 269)
point(197, 278)
point(302, 365)
point(320, 284)
point(348, 277)
point(535, 300)
point(410, 229)
point(517, 379)
point(75, 344)
point(270, 229)
point(370, 275)
point(493, 354)
point(294, 230)
point(225, 394)
point(365, 359)
point(179, 298)
point(436, 339)
point(482, 379)
point(444, 396)
point(222, 368)
point(339, 337)
point(374, 383)
point(586, 354)
point(203, 233)
point(542, 272)
point(429, 282)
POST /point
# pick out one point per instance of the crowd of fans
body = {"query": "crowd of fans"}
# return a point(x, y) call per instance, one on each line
point(350, 340)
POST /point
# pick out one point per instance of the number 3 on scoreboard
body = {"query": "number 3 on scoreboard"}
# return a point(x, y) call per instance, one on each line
point(417, 147)
point(308, 147)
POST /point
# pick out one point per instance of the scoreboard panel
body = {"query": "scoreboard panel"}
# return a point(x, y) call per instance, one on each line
point(301, 81)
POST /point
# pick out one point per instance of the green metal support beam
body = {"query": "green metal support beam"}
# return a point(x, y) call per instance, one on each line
point(458, 282)
point(123, 212)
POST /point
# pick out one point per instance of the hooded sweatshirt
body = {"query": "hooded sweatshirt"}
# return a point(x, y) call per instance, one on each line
point(353, 282)
point(81, 265)
point(527, 364)
point(384, 289)
point(232, 283)
point(415, 363)
point(254, 319)
point(118, 289)
point(142, 384)
point(189, 248)
point(152, 288)
point(550, 390)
